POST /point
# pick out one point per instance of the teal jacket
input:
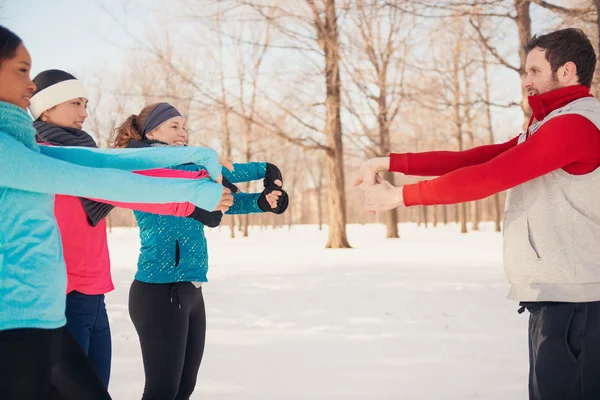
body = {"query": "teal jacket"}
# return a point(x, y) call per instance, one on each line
point(174, 249)
point(32, 269)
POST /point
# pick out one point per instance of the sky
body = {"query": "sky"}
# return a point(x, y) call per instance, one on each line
point(74, 35)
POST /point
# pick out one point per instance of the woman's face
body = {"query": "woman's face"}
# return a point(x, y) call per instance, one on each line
point(173, 132)
point(16, 86)
point(70, 114)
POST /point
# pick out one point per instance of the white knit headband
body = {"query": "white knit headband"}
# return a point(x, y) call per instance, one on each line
point(56, 94)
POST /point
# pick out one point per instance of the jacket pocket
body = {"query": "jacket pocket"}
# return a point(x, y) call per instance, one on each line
point(521, 260)
point(177, 253)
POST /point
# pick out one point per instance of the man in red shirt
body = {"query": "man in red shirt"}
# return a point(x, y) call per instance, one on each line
point(552, 214)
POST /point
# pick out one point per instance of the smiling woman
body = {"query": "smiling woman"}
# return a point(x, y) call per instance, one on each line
point(166, 303)
point(31, 287)
point(60, 99)
point(17, 87)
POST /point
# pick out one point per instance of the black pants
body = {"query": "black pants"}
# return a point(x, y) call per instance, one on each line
point(170, 320)
point(564, 351)
point(40, 364)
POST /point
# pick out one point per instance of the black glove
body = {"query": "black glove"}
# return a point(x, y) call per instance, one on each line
point(211, 219)
point(273, 173)
point(282, 202)
point(230, 186)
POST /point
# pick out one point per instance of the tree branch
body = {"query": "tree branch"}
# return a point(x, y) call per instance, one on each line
point(491, 49)
point(573, 12)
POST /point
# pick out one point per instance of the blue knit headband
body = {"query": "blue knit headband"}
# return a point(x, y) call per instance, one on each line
point(158, 116)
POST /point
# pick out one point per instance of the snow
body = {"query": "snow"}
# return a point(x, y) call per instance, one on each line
point(421, 317)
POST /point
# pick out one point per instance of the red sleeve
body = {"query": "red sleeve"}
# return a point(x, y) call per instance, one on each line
point(173, 173)
point(436, 163)
point(558, 143)
point(176, 209)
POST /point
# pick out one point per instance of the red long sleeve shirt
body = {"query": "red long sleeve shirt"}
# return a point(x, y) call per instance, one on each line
point(571, 142)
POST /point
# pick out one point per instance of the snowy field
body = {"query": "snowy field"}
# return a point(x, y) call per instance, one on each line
point(423, 317)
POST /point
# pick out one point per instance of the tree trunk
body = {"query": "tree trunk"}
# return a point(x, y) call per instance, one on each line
point(523, 21)
point(226, 140)
point(475, 217)
point(463, 217)
point(231, 227)
point(246, 224)
point(457, 119)
point(390, 218)
point(488, 114)
point(497, 211)
point(320, 208)
point(336, 193)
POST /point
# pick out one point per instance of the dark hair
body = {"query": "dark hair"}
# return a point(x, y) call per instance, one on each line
point(567, 45)
point(9, 42)
point(131, 129)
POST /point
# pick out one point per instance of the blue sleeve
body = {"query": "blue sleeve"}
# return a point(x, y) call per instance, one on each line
point(245, 203)
point(137, 159)
point(25, 169)
point(247, 172)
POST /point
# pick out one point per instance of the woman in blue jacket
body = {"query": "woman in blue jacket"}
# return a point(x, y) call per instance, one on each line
point(165, 299)
point(38, 358)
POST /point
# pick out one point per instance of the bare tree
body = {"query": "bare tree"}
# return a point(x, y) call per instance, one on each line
point(320, 23)
point(456, 91)
point(315, 168)
point(248, 76)
point(375, 62)
point(470, 132)
point(489, 126)
point(224, 113)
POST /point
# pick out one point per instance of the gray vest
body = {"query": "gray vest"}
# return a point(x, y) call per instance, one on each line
point(552, 228)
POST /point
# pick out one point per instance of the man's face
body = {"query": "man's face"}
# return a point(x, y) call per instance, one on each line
point(539, 78)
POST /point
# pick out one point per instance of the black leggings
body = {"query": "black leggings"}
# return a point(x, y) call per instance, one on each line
point(38, 364)
point(170, 320)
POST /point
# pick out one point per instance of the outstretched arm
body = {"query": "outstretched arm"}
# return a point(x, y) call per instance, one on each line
point(137, 159)
point(246, 172)
point(565, 141)
point(435, 163)
point(430, 163)
point(245, 203)
point(26, 169)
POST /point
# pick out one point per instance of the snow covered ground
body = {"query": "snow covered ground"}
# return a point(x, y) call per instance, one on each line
point(422, 317)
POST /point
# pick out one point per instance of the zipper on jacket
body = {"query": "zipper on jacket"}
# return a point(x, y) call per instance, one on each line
point(177, 253)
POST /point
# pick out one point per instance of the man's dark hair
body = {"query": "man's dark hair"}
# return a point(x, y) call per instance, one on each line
point(8, 44)
point(567, 45)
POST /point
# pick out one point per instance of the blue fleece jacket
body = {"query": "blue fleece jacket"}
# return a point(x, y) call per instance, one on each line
point(174, 249)
point(32, 269)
